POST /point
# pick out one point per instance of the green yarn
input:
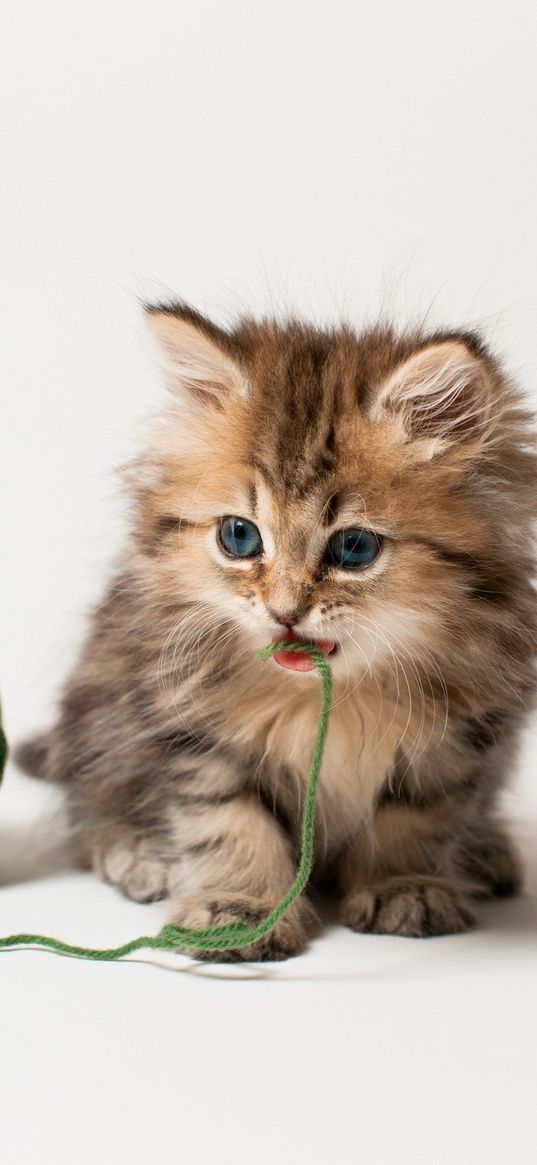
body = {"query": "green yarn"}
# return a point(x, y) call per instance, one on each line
point(232, 936)
point(3, 749)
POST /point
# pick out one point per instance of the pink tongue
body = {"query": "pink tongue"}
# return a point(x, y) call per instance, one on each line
point(299, 660)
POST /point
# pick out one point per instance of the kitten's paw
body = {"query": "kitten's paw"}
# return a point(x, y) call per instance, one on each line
point(285, 940)
point(130, 861)
point(416, 909)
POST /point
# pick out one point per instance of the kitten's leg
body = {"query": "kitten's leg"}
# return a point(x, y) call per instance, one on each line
point(220, 857)
point(405, 878)
point(192, 832)
point(489, 859)
point(236, 863)
point(435, 842)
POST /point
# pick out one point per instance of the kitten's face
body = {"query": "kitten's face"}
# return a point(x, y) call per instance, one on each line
point(328, 489)
point(319, 565)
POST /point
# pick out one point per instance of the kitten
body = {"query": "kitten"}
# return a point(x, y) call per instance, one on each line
point(369, 493)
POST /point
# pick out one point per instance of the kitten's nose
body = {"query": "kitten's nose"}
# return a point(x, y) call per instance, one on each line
point(286, 618)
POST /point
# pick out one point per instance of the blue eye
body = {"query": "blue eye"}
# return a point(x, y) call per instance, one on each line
point(352, 549)
point(239, 538)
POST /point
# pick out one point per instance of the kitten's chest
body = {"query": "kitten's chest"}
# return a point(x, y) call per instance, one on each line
point(360, 750)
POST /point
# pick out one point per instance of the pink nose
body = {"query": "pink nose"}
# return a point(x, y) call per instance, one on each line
point(286, 618)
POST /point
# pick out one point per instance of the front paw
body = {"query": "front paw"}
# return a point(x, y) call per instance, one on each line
point(285, 940)
point(131, 861)
point(416, 909)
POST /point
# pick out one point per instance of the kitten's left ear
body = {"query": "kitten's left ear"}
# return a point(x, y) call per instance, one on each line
point(195, 357)
point(443, 392)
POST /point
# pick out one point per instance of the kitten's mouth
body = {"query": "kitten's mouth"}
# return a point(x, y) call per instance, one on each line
point(298, 660)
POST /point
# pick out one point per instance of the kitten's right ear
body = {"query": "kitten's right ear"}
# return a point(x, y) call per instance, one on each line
point(195, 356)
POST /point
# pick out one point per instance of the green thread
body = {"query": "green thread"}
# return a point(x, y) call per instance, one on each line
point(3, 749)
point(232, 936)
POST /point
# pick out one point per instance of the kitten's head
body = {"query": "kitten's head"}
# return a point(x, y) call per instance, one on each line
point(371, 493)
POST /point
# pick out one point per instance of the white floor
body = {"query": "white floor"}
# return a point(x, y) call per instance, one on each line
point(366, 1049)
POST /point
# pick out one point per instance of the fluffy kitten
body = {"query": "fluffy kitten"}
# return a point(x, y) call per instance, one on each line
point(373, 493)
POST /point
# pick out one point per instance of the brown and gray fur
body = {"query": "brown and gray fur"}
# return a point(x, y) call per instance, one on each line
point(184, 757)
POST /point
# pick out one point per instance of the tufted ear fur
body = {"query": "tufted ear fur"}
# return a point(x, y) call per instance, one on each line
point(442, 392)
point(195, 357)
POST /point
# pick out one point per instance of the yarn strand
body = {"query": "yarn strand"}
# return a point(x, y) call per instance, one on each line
point(231, 936)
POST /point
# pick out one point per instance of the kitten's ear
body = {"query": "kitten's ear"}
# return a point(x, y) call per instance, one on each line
point(195, 356)
point(443, 392)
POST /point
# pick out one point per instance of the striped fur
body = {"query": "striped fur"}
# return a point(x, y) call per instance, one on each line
point(183, 757)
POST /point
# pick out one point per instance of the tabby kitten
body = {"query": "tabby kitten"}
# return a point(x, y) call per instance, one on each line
point(371, 494)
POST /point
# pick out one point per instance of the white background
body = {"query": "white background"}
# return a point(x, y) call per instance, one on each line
point(335, 159)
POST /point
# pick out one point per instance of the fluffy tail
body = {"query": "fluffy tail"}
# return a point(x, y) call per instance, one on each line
point(32, 756)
